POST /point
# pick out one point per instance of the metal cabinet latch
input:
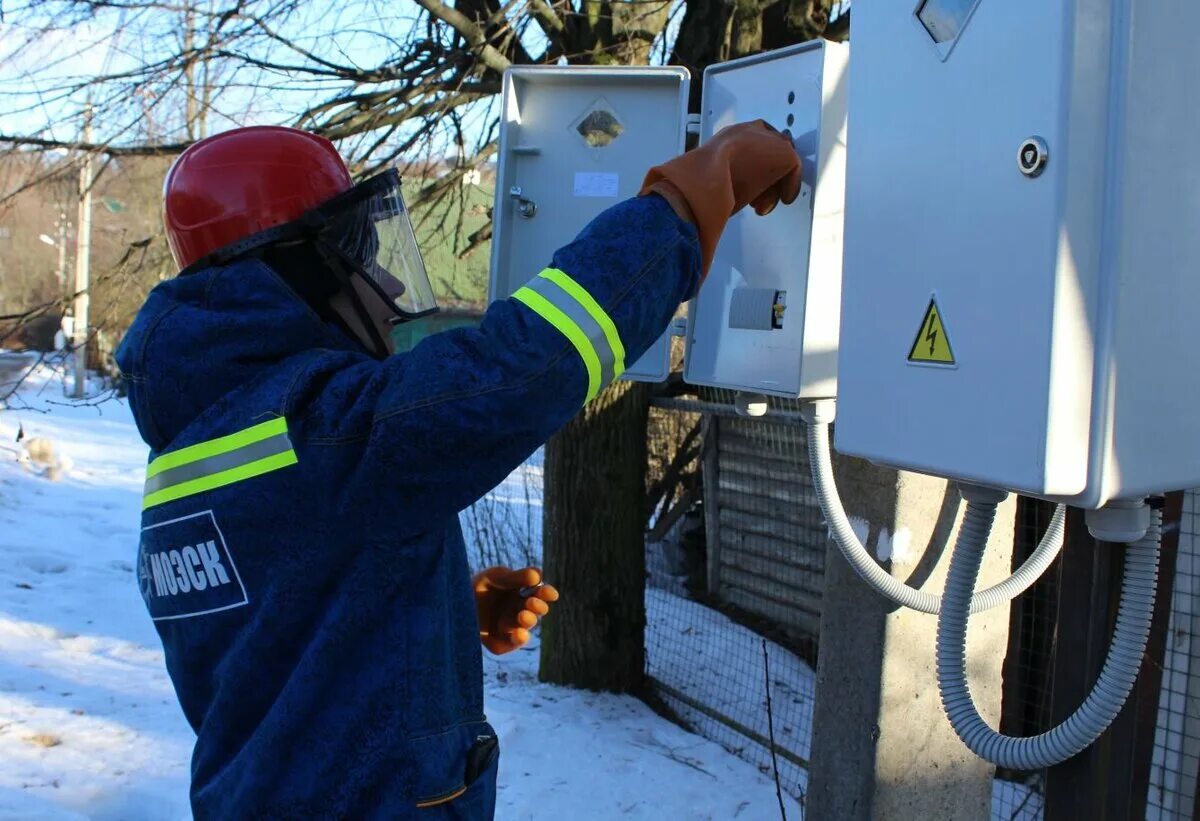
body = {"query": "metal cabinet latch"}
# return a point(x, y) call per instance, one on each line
point(525, 207)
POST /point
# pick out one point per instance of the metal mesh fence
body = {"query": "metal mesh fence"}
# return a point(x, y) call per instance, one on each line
point(710, 620)
point(727, 631)
point(1026, 698)
point(505, 527)
point(1176, 759)
point(1037, 635)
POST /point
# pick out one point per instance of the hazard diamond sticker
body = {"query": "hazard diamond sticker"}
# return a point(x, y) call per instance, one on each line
point(932, 345)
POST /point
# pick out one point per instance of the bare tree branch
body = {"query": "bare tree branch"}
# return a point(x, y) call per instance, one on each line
point(96, 148)
point(473, 34)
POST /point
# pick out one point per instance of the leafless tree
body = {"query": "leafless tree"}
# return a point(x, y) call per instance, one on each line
point(387, 80)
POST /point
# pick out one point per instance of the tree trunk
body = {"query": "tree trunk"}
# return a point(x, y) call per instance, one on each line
point(746, 33)
point(189, 72)
point(711, 32)
point(703, 40)
point(634, 29)
point(594, 518)
point(594, 513)
point(593, 538)
point(796, 21)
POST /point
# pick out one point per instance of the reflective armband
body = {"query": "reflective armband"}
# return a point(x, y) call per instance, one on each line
point(567, 305)
point(218, 462)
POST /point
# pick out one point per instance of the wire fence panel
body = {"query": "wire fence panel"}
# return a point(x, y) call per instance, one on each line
point(747, 570)
point(709, 673)
point(1026, 698)
point(734, 591)
point(1176, 759)
point(505, 526)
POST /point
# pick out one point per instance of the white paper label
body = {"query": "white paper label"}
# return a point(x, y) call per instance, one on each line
point(595, 184)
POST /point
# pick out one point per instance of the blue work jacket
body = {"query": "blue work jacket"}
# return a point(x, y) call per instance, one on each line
point(301, 553)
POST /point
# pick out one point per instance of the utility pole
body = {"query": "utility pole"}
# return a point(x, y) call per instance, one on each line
point(83, 241)
point(61, 271)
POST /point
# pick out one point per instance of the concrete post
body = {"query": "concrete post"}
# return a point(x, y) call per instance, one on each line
point(83, 246)
point(882, 748)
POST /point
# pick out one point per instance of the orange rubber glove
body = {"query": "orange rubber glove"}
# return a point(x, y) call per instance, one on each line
point(745, 164)
point(506, 615)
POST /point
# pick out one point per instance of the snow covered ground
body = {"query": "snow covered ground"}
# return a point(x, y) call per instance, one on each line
point(89, 726)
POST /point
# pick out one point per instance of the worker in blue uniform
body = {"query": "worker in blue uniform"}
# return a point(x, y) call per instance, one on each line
point(301, 554)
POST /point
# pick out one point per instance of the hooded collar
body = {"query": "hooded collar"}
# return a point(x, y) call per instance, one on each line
point(199, 337)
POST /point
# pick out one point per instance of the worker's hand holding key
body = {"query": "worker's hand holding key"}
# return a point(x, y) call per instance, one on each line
point(509, 604)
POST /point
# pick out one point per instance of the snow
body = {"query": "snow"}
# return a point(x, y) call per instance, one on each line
point(80, 662)
point(89, 726)
point(577, 754)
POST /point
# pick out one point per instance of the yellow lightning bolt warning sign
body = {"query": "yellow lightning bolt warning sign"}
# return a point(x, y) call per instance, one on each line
point(932, 346)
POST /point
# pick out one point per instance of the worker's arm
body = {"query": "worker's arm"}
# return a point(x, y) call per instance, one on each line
point(447, 421)
point(453, 416)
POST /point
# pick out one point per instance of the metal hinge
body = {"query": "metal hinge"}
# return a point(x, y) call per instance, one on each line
point(679, 326)
point(693, 125)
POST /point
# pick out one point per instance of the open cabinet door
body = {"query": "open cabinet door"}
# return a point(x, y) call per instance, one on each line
point(574, 141)
point(766, 319)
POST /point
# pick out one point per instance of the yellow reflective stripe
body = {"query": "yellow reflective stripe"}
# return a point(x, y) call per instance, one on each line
point(215, 447)
point(547, 311)
point(564, 281)
point(216, 480)
point(445, 799)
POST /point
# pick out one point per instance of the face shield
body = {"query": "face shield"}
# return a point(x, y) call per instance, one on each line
point(366, 239)
point(368, 230)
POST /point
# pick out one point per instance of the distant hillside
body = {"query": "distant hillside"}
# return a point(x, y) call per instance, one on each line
point(443, 232)
point(39, 215)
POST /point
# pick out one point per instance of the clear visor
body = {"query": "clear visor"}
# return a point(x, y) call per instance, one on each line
point(369, 228)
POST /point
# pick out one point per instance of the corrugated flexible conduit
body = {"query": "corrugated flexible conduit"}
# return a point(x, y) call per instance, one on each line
point(1108, 694)
point(886, 584)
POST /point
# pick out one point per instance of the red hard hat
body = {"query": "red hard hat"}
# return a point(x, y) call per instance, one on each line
point(237, 183)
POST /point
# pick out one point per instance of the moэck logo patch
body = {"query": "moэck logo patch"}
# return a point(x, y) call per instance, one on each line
point(185, 569)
